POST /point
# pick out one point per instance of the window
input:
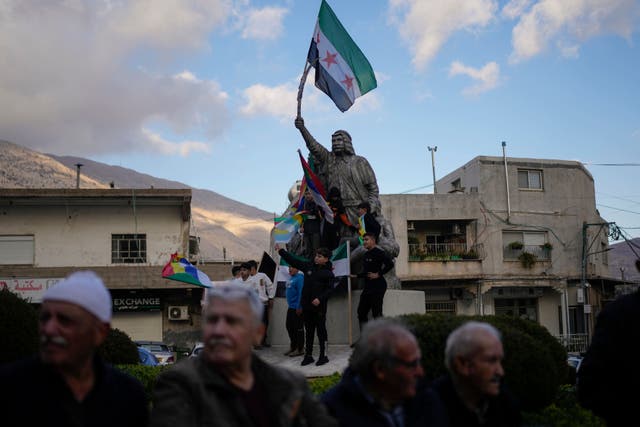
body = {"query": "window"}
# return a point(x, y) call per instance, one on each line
point(440, 307)
point(523, 308)
point(533, 242)
point(128, 248)
point(530, 179)
point(16, 250)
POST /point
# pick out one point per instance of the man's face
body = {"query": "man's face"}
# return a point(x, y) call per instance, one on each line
point(337, 144)
point(229, 332)
point(68, 334)
point(293, 271)
point(361, 211)
point(368, 242)
point(483, 371)
point(400, 381)
point(244, 273)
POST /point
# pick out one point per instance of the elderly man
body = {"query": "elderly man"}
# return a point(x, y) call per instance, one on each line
point(473, 393)
point(380, 386)
point(227, 385)
point(67, 384)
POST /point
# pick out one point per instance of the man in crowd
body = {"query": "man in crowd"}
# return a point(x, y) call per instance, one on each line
point(473, 393)
point(380, 388)
point(318, 286)
point(67, 384)
point(227, 384)
point(375, 264)
point(267, 292)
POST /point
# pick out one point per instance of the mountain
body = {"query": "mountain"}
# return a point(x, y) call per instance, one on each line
point(622, 260)
point(222, 224)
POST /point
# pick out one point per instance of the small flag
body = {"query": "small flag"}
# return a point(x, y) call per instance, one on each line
point(342, 70)
point(316, 188)
point(181, 270)
point(283, 268)
point(284, 230)
point(340, 261)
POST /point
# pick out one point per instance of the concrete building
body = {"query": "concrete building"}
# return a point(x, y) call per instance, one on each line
point(508, 236)
point(124, 235)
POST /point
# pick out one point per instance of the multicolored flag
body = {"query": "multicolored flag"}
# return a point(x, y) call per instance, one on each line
point(181, 270)
point(342, 70)
point(287, 227)
point(316, 189)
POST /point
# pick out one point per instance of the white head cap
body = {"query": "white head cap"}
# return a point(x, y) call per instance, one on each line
point(85, 289)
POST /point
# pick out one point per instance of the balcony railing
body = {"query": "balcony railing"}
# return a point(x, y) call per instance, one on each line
point(541, 253)
point(574, 343)
point(444, 252)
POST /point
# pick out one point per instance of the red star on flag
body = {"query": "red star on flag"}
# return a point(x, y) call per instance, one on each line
point(348, 82)
point(330, 59)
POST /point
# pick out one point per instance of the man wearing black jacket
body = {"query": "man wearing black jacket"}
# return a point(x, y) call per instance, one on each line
point(318, 285)
point(376, 263)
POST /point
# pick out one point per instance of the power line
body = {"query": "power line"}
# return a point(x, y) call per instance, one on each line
point(617, 209)
point(612, 164)
point(619, 198)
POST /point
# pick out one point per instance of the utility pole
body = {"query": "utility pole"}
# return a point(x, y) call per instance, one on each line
point(433, 166)
point(78, 166)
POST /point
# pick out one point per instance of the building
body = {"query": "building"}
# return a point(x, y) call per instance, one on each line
point(124, 235)
point(519, 237)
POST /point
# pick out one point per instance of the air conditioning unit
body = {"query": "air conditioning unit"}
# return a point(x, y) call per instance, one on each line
point(178, 312)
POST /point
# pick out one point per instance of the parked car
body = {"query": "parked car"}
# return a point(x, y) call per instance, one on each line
point(160, 350)
point(574, 362)
point(147, 358)
point(197, 348)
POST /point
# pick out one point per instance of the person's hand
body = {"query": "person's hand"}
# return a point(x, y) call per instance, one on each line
point(299, 122)
point(373, 275)
point(277, 247)
point(299, 311)
point(315, 302)
point(270, 304)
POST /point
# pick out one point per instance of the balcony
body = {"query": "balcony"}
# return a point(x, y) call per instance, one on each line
point(574, 343)
point(444, 252)
point(541, 252)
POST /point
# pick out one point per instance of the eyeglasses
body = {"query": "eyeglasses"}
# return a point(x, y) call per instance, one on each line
point(412, 364)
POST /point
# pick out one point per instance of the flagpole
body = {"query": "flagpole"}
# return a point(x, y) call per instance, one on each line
point(349, 292)
point(303, 79)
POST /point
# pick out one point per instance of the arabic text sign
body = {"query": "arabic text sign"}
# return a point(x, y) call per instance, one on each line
point(29, 289)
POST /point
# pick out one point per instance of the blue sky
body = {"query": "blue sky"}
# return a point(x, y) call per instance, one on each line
point(204, 92)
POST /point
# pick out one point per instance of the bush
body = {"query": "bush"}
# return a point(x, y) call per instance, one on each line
point(118, 349)
point(321, 384)
point(18, 327)
point(535, 363)
point(147, 375)
point(564, 412)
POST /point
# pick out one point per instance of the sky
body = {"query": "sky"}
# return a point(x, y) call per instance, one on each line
point(204, 91)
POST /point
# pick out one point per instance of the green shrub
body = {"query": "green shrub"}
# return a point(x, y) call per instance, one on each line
point(535, 363)
point(18, 327)
point(321, 384)
point(118, 349)
point(147, 375)
point(564, 412)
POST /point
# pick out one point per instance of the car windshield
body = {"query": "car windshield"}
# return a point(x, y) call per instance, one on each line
point(156, 347)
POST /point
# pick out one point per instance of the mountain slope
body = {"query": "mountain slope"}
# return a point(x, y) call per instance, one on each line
point(222, 224)
point(622, 260)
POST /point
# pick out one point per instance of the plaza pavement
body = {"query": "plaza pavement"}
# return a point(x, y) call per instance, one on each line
point(338, 359)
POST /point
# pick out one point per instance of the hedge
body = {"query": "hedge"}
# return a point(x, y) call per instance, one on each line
point(18, 327)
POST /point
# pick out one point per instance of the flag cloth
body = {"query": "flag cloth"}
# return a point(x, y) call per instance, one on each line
point(284, 230)
point(283, 268)
point(181, 270)
point(340, 261)
point(342, 70)
point(316, 189)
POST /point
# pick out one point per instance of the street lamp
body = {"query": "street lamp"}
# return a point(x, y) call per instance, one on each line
point(433, 166)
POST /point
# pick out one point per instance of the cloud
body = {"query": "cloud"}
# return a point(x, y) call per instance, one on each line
point(76, 84)
point(515, 8)
point(185, 148)
point(278, 101)
point(570, 22)
point(487, 77)
point(264, 24)
point(427, 24)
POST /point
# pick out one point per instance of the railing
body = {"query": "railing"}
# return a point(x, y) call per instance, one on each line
point(444, 251)
point(574, 343)
point(541, 253)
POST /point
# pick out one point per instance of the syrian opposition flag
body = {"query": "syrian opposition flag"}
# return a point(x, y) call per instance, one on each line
point(340, 261)
point(342, 70)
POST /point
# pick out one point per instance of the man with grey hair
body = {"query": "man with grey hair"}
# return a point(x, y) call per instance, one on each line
point(473, 393)
point(380, 386)
point(67, 383)
point(227, 385)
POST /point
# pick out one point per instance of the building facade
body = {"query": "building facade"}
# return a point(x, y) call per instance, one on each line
point(519, 237)
point(124, 235)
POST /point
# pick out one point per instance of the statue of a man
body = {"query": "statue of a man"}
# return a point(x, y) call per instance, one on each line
point(343, 169)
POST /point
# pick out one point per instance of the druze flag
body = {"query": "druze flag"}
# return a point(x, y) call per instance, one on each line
point(342, 70)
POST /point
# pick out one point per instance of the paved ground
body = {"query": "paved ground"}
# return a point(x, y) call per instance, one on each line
point(338, 359)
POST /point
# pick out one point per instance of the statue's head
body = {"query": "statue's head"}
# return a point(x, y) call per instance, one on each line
point(341, 143)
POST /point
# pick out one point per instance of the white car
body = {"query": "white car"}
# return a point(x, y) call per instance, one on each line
point(197, 348)
point(575, 362)
point(159, 349)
